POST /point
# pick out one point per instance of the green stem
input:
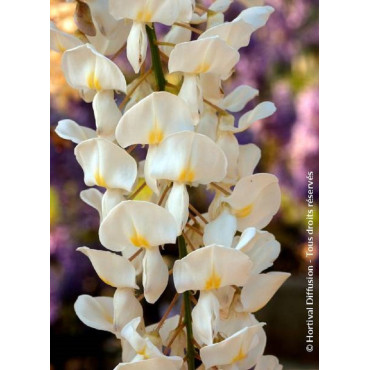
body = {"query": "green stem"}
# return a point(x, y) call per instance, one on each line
point(190, 352)
point(156, 61)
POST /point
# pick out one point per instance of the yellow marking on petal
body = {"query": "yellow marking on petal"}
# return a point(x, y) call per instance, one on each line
point(186, 175)
point(144, 15)
point(213, 282)
point(240, 356)
point(202, 68)
point(138, 240)
point(60, 47)
point(243, 212)
point(155, 136)
point(93, 81)
point(142, 352)
point(99, 180)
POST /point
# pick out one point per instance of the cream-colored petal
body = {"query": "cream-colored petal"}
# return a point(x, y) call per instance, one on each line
point(149, 179)
point(239, 97)
point(96, 312)
point(162, 363)
point(231, 350)
point(220, 5)
point(261, 111)
point(113, 269)
point(137, 224)
point(210, 55)
point(235, 34)
point(137, 44)
point(260, 289)
point(70, 130)
point(191, 93)
point(126, 308)
point(107, 114)
point(230, 146)
point(160, 114)
point(106, 164)
point(155, 275)
point(61, 41)
point(93, 197)
point(256, 16)
point(208, 124)
point(255, 200)
point(260, 246)
point(85, 68)
point(205, 316)
point(178, 205)
point(249, 156)
point(268, 363)
point(211, 86)
point(210, 268)
point(198, 159)
point(220, 231)
point(162, 11)
point(110, 199)
point(176, 35)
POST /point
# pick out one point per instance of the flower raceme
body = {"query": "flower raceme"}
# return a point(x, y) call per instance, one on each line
point(185, 128)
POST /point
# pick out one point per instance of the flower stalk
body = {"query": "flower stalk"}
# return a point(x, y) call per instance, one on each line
point(156, 61)
point(190, 352)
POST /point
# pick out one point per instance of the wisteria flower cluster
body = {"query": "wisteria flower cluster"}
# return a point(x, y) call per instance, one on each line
point(178, 111)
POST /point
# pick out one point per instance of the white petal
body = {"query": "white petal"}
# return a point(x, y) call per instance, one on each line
point(209, 268)
point(205, 317)
point(239, 97)
point(132, 223)
point(249, 156)
point(155, 275)
point(162, 363)
point(255, 200)
point(212, 89)
point(93, 197)
point(176, 35)
point(162, 11)
point(137, 44)
point(110, 199)
point(109, 45)
point(257, 16)
point(85, 68)
point(149, 179)
point(268, 363)
point(261, 247)
point(235, 34)
point(191, 93)
point(230, 146)
point(198, 159)
point(260, 289)
point(220, 231)
point(113, 269)
point(160, 114)
point(230, 350)
point(208, 124)
point(178, 205)
point(220, 5)
point(211, 55)
point(106, 164)
point(126, 308)
point(107, 114)
point(61, 41)
point(261, 111)
point(70, 130)
point(96, 312)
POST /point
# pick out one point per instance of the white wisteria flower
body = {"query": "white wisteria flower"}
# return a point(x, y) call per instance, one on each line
point(173, 131)
point(138, 224)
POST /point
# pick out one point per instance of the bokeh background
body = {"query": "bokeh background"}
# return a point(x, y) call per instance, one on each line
point(282, 62)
